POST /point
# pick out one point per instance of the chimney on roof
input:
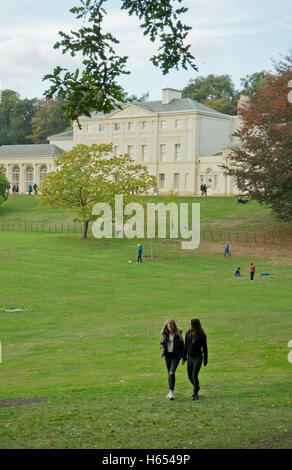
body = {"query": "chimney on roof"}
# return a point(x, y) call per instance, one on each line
point(243, 101)
point(169, 94)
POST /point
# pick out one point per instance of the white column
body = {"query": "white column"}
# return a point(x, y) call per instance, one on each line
point(9, 174)
point(35, 176)
point(22, 188)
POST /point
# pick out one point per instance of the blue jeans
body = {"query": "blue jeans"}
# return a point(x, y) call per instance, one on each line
point(139, 257)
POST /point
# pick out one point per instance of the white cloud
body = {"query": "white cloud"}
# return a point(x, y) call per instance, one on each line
point(29, 29)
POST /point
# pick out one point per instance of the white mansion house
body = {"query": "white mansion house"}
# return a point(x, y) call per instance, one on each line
point(182, 142)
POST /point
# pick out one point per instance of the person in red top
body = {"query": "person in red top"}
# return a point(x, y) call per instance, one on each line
point(252, 272)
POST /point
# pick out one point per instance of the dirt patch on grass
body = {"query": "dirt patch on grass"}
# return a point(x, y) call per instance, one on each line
point(275, 254)
point(20, 402)
point(280, 441)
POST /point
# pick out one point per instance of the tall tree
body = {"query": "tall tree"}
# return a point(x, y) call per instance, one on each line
point(48, 120)
point(216, 91)
point(4, 186)
point(95, 87)
point(262, 165)
point(15, 118)
point(88, 175)
point(251, 83)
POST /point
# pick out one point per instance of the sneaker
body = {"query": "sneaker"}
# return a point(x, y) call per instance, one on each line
point(168, 395)
point(171, 395)
point(195, 397)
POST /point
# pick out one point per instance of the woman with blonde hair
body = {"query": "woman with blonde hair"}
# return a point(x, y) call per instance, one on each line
point(195, 351)
point(172, 344)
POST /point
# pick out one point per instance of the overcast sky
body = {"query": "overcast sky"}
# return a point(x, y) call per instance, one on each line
point(228, 37)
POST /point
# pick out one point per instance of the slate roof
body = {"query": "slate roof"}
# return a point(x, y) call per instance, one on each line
point(183, 104)
point(68, 135)
point(175, 105)
point(28, 151)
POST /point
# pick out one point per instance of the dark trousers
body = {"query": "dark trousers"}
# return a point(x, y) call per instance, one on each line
point(171, 364)
point(194, 366)
point(251, 276)
point(139, 257)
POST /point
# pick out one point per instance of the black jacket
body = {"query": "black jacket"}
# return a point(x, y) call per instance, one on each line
point(178, 345)
point(196, 349)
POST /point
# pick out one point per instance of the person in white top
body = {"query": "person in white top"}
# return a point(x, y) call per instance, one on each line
point(172, 346)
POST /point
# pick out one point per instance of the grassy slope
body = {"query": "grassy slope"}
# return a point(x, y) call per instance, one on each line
point(217, 213)
point(88, 341)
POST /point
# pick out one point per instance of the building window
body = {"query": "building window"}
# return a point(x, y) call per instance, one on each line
point(177, 151)
point(176, 182)
point(144, 153)
point(144, 125)
point(28, 176)
point(130, 126)
point(116, 150)
point(88, 129)
point(178, 124)
point(116, 126)
point(43, 172)
point(162, 124)
point(209, 178)
point(162, 155)
point(161, 180)
point(187, 180)
point(15, 176)
point(130, 150)
point(101, 128)
point(202, 179)
point(215, 181)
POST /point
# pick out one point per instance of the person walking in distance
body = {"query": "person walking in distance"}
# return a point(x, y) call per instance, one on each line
point(172, 345)
point(195, 352)
point(140, 249)
point(227, 250)
point(252, 272)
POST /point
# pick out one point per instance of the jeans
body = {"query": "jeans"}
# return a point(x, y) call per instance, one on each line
point(194, 366)
point(139, 257)
point(171, 365)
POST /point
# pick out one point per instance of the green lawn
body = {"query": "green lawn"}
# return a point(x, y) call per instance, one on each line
point(88, 341)
point(217, 213)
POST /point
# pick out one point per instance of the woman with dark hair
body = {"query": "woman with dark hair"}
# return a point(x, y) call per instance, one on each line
point(172, 344)
point(195, 351)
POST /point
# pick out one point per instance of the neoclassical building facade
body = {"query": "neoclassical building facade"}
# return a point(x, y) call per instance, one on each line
point(182, 142)
point(25, 165)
